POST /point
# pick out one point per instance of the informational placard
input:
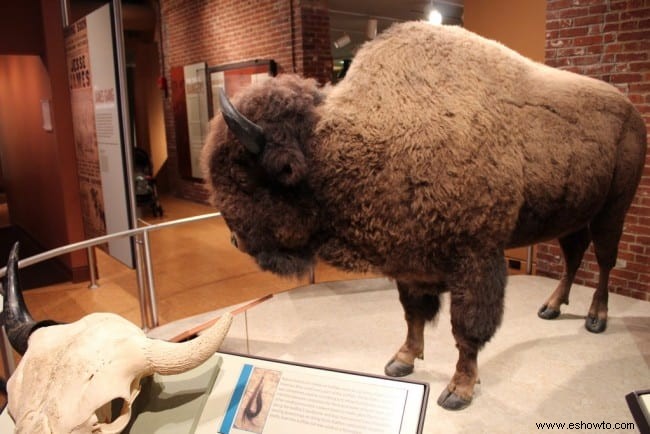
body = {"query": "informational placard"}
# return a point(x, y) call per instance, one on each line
point(232, 81)
point(272, 397)
point(194, 102)
point(98, 130)
point(196, 98)
point(263, 396)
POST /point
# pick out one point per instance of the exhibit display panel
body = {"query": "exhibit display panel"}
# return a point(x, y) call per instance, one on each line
point(639, 403)
point(262, 395)
point(234, 393)
point(99, 130)
point(194, 100)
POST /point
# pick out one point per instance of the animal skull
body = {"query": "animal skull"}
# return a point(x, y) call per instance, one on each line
point(83, 377)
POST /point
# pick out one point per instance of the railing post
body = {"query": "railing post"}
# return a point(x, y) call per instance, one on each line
point(153, 308)
point(92, 261)
point(529, 260)
point(142, 296)
point(312, 275)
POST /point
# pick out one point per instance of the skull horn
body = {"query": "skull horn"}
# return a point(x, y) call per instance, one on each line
point(19, 324)
point(247, 132)
point(169, 358)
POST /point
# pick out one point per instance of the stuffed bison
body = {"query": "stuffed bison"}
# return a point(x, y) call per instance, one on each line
point(437, 151)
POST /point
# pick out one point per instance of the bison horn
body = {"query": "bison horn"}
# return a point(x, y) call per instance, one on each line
point(19, 324)
point(168, 358)
point(247, 132)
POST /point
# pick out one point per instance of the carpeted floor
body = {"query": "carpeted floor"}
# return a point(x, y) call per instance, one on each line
point(35, 276)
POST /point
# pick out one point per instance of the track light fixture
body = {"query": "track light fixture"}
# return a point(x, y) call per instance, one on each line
point(342, 41)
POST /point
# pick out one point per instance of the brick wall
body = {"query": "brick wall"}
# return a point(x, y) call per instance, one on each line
point(608, 40)
point(294, 33)
point(313, 36)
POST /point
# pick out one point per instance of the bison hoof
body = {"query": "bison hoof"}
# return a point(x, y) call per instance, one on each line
point(546, 312)
point(397, 368)
point(595, 325)
point(450, 401)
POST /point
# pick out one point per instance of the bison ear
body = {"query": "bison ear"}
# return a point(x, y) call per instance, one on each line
point(286, 165)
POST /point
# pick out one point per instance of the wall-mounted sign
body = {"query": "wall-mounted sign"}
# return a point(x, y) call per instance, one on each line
point(194, 102)
point(46, 114)
point(97, 130)
point(196, 99)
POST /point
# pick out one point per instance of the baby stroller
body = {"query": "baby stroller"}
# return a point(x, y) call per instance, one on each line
point(145, 183)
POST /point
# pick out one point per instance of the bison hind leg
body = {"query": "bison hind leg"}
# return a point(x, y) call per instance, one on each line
point(573, 248)
point(606, 227)
point(606, 230)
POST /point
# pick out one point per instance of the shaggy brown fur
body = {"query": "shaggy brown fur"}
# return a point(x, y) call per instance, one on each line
point(437, 151)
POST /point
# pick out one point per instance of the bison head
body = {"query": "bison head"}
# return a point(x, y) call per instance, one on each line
point(256, 162)
point(83, 377)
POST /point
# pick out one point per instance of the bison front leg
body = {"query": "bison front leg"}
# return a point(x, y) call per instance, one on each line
point(421, 304)
point(477, 290)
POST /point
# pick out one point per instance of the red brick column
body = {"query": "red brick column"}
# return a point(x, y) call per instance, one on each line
point(315, 42)
point(608, 40)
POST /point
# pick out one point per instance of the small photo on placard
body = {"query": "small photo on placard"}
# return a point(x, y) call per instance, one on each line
point(256, 402)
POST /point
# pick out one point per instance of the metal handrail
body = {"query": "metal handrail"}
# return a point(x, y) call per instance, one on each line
point(104, 238)
point(147, 299)
point(148, 307)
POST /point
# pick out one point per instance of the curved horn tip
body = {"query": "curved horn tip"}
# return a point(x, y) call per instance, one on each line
point(167, 358)
point(247, 132)
point(11, 274)
point(18, 322)
point(15, 249)
point(10, 270)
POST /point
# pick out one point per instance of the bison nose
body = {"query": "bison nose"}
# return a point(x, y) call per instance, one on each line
point(233, 240)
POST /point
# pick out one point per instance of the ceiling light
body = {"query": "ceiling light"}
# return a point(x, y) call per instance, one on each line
point(435, 17)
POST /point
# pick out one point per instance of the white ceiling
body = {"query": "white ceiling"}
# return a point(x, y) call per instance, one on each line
point(351, 17)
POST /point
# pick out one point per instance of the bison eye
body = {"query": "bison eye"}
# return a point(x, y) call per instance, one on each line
point(241, 178)
point(238, 176)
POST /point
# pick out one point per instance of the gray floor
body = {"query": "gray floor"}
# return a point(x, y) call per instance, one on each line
point(532, 371)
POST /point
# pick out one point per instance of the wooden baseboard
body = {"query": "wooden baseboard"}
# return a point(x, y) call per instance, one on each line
point(80, 274)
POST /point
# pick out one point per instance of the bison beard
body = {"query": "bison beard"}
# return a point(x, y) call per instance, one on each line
point(283, 263)
point(437, 151)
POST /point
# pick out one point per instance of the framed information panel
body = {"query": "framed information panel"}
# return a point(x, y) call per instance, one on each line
point(235, 394)
point(639, 404)
point(194, 102)
point(257, 395)
point(99, 130)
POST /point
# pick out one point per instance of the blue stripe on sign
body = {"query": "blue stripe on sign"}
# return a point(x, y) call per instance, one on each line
point(237, 394)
